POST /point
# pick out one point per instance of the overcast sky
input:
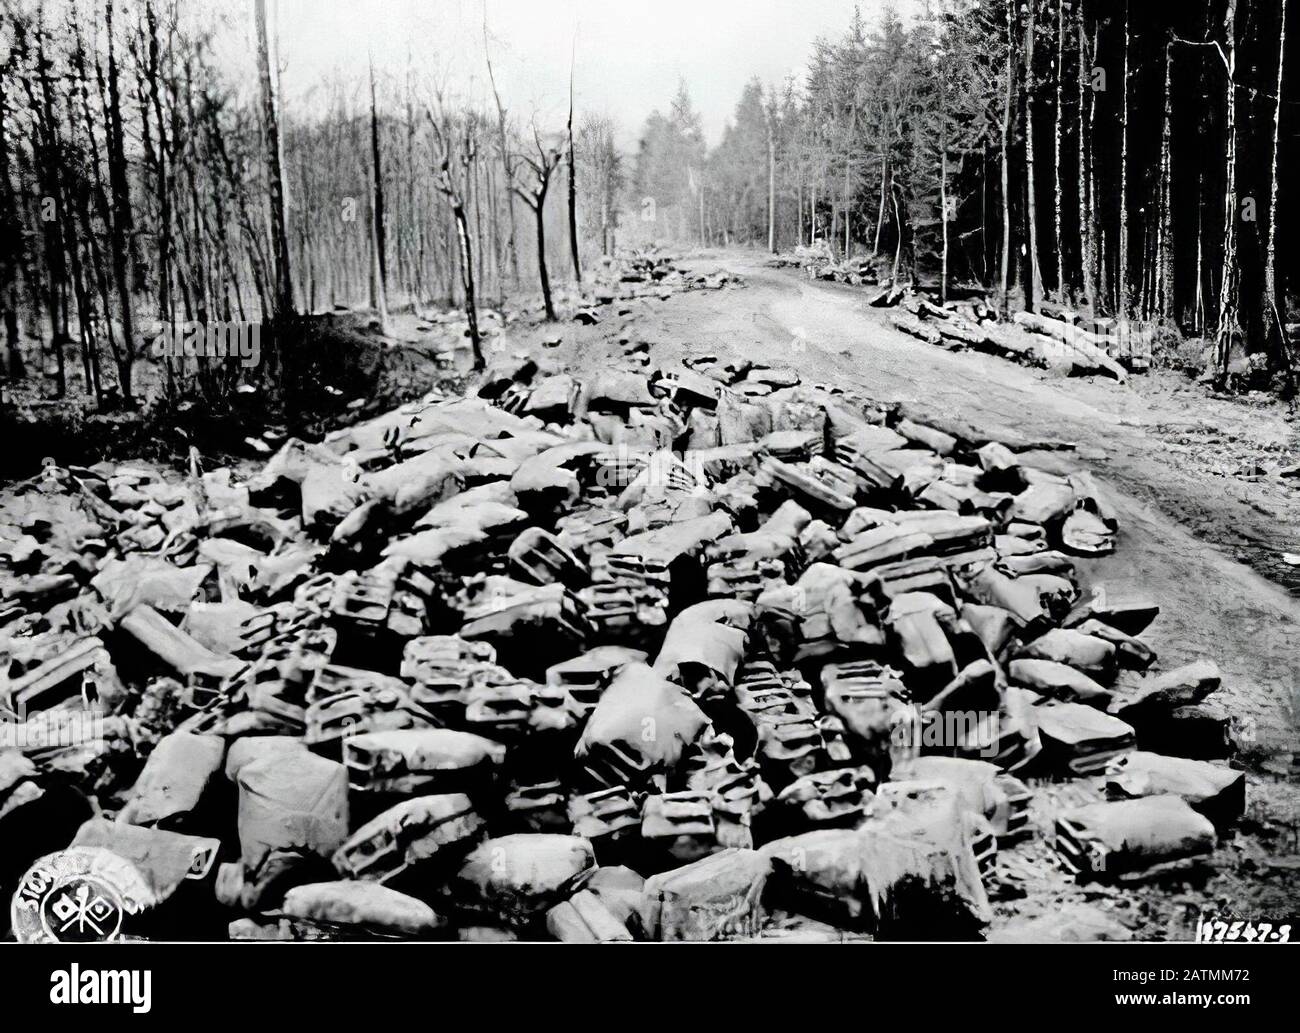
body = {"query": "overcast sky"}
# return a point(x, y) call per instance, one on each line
point(629, 54)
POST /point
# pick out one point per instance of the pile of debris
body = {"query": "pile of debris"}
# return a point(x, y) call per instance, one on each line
point(818, 263)
point(804, 256)
point(636, 275)
point(657, 274)
point(699, 654)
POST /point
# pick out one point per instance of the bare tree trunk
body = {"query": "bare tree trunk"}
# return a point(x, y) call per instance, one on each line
point(1057, 237)
point(943, 188)
point(605, 204)
point(540, 214)
point(611, 222)
point(898, 247)
point(771, 181)
point(1199, 318)
point(121, 226)
point(82, 293)
point(833, 238)
point(984, 219)
point(798, 209)
point(494, 233)
point(1164, 214)
point(166, 304)
point(848, 207)
point(283, 297)
point(1006, 175)
point(573, 189)
point(414, 213)
point(1084, 184)
point(1282, 359)
point(76, 200)
point(1035, 279)
point(460, 224)
point(884, 193)
point(51, 183)
point(512, 244)
point(1151, 259)
point(378, 233)
point(475, 202)
point(704, 237)
point(1098, 290)
point(10, 243)
point(467, 280)
point(1124, 301)
point(1228, 322)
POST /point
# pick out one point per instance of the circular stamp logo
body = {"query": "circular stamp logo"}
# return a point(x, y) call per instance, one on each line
point(78, 895)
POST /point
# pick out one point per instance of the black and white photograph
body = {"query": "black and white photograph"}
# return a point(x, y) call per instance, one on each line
point(580, 472)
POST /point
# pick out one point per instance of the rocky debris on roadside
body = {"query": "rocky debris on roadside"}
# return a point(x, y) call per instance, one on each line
point(690, 654)
point(612, 287)
point(818, 263)
point(647, 273)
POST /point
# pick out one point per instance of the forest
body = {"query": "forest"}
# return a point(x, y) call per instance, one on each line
point(142, 186)
point(1124, 160)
